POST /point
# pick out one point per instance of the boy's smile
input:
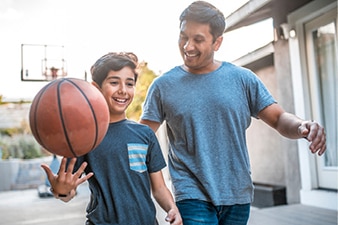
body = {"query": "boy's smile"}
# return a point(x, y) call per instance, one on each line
point(118, 89)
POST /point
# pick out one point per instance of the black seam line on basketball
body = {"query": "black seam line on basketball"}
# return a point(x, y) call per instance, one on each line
point(92, 109)
point(61, 117)
point(35, 114)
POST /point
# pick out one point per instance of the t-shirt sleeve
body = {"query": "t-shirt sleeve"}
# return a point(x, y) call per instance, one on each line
point(155, 159)
point(152, 109)
point(259, 96)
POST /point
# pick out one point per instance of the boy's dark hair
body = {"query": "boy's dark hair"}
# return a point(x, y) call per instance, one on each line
point(113, 61)
point(206, 13)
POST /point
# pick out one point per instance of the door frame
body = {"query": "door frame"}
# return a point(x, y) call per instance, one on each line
point(310, 193)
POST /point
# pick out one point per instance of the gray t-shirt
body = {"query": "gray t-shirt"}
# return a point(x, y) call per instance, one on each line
point(207, 116)
point(120, 187)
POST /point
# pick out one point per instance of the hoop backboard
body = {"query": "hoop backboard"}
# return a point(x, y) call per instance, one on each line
point(42, 62)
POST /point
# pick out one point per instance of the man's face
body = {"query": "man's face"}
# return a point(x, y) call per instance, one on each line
point(197, 47)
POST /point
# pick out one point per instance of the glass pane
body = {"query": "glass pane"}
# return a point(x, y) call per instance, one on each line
point(325, 52)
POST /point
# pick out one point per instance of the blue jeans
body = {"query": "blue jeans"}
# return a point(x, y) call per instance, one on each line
point(197, 212)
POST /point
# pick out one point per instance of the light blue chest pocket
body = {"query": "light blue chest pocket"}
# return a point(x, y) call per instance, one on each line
point(137, 156)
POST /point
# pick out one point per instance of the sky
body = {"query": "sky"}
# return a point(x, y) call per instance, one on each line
point(90, 28)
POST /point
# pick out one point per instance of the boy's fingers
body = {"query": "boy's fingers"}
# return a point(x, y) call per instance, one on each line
point(81, 169)
point(63, 165)
point(48, 171)
point(84, 178)
point(71, 165)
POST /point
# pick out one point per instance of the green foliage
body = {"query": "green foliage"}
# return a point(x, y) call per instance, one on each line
point(22, 146)
point(18, 142)
point(10, 131)
point(146, 76)
point(23, 129)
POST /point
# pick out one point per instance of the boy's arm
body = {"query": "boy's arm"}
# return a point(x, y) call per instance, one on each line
point(63, 197)
point(64, 184)
point(164, 198)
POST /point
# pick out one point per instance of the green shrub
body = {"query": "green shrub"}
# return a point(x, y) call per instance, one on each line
point(22, 146)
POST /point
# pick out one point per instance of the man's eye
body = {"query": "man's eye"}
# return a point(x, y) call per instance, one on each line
point(114, 83)
point(183, 38)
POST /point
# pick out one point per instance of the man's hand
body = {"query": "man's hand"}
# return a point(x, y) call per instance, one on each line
point(315, 134)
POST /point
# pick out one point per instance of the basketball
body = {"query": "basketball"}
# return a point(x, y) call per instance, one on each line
point(69, 117)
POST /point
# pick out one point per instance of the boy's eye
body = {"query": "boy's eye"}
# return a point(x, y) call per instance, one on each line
point(130, 84)
point(114, 82)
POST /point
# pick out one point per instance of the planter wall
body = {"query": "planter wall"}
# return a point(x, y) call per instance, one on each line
point(17, 174)
point(266, 195)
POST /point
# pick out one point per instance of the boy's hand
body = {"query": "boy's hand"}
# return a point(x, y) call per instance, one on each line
point(174, 217)
point(66, 181)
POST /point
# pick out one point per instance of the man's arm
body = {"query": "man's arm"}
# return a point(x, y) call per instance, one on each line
point(291, 126)
point(152, 124)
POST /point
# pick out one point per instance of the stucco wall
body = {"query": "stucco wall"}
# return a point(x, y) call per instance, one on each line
point(274, 158)
point(266, 157)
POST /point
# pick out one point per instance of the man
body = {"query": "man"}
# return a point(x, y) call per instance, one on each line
point(208, 105)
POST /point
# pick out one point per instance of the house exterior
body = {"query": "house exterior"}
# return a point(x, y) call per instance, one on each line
point(300, 68)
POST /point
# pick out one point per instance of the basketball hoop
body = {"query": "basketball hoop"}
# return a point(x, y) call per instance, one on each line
point(42, 62)
point(54, 73)
point(54, 69)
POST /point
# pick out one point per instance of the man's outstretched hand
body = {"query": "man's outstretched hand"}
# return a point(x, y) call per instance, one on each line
point(315, 134)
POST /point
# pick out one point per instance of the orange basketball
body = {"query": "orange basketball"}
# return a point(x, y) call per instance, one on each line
point(69, 117)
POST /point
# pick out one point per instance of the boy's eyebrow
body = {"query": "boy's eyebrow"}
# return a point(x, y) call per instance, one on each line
point(117, 77)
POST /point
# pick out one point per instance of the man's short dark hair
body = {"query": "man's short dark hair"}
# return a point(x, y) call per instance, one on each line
point(205, 13)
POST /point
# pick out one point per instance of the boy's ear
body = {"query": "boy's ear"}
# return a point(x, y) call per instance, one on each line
point(96, 85)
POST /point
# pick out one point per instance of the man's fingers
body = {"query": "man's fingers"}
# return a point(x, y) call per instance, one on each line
point(302, 130)
point(317, 137)
point(322, 150)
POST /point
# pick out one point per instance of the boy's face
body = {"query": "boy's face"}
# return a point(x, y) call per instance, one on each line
point(118, 89)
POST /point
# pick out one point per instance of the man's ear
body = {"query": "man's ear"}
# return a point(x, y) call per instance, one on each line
point(218, 43)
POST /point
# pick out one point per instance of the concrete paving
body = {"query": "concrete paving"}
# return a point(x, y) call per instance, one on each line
point(27, 208)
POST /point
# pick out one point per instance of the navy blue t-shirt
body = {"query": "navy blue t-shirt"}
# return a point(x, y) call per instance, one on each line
point(120, 187)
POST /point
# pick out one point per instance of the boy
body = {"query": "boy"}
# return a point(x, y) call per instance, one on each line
point(126, 166)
